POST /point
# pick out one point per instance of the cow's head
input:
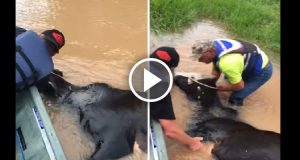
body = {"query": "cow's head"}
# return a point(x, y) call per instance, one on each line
point(54, 86)
point(191, 84)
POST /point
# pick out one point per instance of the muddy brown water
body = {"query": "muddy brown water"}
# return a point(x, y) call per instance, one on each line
point(104, 39)
point(261, 109)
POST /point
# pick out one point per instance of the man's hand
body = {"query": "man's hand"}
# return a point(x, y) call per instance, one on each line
point(172, 130)
point(231, 87)
point(216, 73)
point(196, 144)
point(222, 88)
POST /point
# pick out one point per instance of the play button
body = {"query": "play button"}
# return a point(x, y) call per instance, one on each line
point(150, 80)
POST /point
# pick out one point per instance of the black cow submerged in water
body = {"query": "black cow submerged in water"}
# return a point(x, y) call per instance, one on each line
point(234, 140)
point(114, 118)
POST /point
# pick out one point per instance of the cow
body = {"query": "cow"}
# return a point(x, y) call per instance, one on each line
point(113, 118)
point(233, 138)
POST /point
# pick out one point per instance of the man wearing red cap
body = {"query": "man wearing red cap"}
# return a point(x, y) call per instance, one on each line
point(162, 110)
point(34, 55)
point(245, 66)
point(53, 38)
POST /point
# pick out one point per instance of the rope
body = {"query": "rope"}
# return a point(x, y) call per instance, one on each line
point(192, 78)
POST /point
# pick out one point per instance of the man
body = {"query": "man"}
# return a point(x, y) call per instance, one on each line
point(162, 110)
point(34, 55)
point(245, 66)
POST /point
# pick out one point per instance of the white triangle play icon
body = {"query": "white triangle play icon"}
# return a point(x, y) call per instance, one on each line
point(149, 80)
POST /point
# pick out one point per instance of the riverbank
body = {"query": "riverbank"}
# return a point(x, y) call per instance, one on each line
point(253, 20)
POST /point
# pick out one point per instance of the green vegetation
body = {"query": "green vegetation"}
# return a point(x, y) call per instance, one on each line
point(254, 20)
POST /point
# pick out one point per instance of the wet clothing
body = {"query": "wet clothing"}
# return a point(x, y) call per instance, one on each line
point(33, 60)
point(250, 85)
point(239, 60)
point(232, 66)
point(162, 109)
point(254, 58)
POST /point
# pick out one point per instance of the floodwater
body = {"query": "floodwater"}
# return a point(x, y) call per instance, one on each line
point(104, 39)
point(261, 109)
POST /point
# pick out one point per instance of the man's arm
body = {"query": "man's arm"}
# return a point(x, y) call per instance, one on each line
point(232, 67)
point(231, 87)
point(216, 72)
point(172, 130)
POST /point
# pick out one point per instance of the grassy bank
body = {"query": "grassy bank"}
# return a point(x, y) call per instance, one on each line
point(254, 20)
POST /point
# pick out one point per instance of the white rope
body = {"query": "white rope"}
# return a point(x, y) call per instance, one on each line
point(192, 78)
